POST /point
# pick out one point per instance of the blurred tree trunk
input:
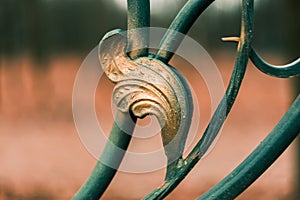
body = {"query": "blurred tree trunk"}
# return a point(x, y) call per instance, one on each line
point(292, 30)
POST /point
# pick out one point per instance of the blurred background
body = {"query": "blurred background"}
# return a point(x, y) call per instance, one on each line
point(42, 45)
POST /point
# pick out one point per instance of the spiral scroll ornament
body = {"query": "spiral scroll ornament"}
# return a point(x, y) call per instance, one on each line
point(147, 86)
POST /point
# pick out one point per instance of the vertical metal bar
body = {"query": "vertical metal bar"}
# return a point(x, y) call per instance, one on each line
point(260, 159)
point(102, 175)
point(138, 17)
point(182, 23)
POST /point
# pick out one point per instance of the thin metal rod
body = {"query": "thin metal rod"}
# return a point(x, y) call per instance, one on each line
point(260, 159)
point(138, 17)
point(113, 153)
point(102, 175)
point(182, 23)
point(223, 109)
point(281, 71)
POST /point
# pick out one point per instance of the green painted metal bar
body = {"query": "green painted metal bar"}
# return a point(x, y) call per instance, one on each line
point(102, 174)
point(223, 109)
point(260, 159)
point(296, 89)
point(138, 17)
point(280, 71)
point(284, 71)
point(182, 23)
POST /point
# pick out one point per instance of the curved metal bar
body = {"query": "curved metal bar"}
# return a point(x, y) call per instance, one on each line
point(182, 23)
point(223, 109)
point(260, 159)
point(280, 71)
point(102, 175)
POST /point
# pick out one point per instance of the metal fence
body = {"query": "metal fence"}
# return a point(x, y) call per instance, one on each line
point(174, 117)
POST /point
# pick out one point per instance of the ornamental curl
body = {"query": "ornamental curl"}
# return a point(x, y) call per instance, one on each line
point(147, 86)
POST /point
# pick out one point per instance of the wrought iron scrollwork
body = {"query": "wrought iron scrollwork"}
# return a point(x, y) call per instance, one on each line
point(148, 85)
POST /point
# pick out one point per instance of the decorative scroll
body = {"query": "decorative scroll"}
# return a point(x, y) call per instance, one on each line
point(147, 86)
point(280, 71)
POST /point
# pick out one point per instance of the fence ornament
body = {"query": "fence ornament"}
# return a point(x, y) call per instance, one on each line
point(146, 84)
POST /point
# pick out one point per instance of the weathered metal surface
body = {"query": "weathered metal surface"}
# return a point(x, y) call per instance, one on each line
point(138, 16)
point(223, 109)
point(147, 86)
